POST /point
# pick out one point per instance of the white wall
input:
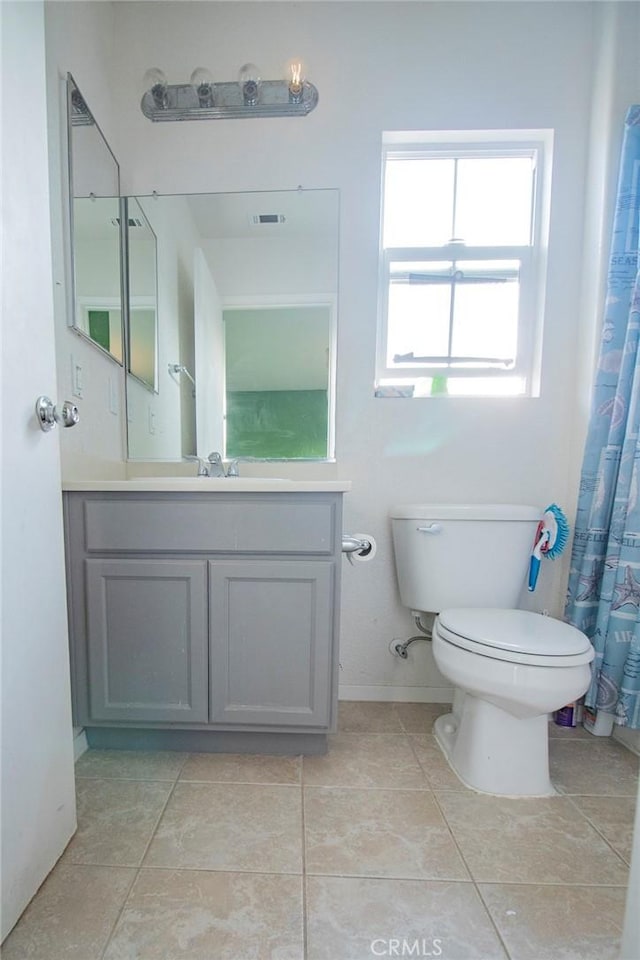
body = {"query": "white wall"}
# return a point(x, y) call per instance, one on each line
point(385, 66)
point(378, 67)
point(274, 266)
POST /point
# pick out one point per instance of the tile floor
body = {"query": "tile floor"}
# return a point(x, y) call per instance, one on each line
point(342, 857)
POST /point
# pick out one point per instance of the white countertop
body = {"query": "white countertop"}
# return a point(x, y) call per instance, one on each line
point(209, 485)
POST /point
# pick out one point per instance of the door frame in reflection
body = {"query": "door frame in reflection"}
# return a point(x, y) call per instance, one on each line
point(291, 301)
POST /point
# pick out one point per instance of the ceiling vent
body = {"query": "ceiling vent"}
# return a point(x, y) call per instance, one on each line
point(260, 218)
point(132, 221)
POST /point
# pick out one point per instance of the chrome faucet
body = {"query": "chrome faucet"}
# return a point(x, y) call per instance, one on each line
point(211, 467)
point(216, 466)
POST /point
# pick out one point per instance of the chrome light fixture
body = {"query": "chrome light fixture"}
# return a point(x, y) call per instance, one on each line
point(249, 96)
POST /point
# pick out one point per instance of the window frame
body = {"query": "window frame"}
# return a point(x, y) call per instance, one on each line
point(538, 145)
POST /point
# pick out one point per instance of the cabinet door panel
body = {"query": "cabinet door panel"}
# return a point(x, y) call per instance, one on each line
point(271, 639)
point(147, 640)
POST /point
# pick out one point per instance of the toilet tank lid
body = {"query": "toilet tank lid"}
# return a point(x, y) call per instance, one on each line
point(520, 631)
point(466, 511)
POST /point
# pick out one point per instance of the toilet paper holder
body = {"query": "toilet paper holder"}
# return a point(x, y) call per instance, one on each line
point(359, 545)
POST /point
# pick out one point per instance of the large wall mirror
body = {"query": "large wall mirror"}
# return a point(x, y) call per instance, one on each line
point(228, 331)
point(246, 325)
point(94, 180)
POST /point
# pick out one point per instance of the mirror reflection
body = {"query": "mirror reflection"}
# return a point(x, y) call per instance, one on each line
point(95, 229)
point(246, 317)
point(277, 381)
point(142, 286)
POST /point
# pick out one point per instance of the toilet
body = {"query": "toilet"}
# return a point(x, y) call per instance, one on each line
point(510, 668)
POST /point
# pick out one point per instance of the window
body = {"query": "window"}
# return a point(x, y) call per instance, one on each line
point(463, 238)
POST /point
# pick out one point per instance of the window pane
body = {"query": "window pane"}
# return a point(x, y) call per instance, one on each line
point(418, 202)
point(485, 316)
point(494, 201)
point(418, 319)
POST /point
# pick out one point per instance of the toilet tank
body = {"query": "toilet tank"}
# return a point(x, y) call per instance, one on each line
point(462, 555)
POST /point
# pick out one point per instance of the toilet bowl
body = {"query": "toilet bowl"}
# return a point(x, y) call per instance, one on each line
point(510, 668)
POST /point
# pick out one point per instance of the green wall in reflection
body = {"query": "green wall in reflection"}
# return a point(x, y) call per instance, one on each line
point(277, 424)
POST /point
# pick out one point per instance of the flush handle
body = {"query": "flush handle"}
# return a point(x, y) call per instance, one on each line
point(48, 415)
point(432, 528)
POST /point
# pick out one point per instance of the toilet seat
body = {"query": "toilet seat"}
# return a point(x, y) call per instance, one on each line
point(517, 636)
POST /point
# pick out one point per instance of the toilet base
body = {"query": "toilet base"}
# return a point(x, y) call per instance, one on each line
point(494, 752)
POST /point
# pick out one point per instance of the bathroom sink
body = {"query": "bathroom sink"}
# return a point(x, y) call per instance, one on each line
point(209, 484)
point(208, 480)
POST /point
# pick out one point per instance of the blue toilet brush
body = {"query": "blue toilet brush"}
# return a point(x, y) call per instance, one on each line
point(551, 538)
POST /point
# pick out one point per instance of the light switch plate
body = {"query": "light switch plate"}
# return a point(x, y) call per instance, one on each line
point(77, 378)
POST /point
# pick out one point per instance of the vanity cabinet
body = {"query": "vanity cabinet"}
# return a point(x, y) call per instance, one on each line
point(203, 613)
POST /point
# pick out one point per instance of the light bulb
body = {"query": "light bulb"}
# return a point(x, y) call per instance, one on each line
point(156, 83)
point(249, 80)
point(202, 82)
point(295, 77)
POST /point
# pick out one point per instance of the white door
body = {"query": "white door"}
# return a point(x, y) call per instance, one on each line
point(38, 804)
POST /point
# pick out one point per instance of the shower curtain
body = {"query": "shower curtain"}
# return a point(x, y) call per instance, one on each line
point(604, 582)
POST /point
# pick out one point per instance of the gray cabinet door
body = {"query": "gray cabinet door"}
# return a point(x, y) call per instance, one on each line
point(271, 635)
point(147, 640)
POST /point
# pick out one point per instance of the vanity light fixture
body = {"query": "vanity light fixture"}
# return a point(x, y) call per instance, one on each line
point(249, 96)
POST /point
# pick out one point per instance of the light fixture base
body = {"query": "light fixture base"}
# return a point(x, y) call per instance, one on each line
point(181, 102)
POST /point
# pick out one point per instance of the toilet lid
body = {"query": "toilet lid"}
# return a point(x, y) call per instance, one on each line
point(518, 631)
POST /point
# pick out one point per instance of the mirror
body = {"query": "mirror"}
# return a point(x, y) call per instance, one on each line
point(246, 325)
point(94, 179)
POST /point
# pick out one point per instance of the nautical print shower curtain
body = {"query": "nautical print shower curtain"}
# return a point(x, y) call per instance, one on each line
point(604, 583)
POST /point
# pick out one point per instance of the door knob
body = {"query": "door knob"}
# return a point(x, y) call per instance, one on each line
point(48, 415)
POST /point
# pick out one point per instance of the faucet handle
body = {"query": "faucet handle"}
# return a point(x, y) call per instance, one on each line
point(202, 469)
point(233, 470)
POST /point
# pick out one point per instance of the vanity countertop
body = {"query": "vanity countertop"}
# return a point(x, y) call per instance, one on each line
point(208, 485)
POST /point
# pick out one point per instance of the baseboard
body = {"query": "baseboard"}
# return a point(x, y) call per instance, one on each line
point(80, 744)
point(207, 741)
point(628, 738)
point(388, 693)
